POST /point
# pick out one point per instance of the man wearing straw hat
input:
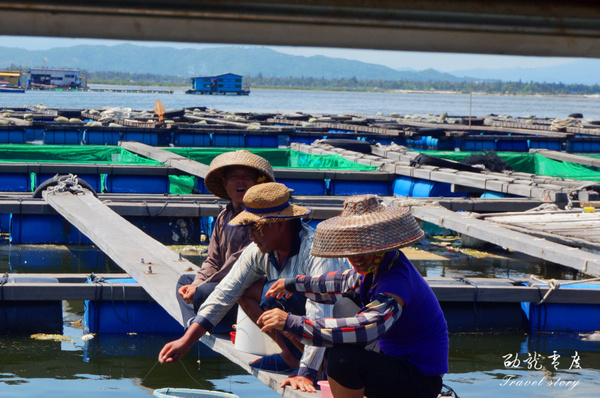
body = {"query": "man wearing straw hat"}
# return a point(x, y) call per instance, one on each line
point(280, 249)
point(229, 176)
point(399, 309)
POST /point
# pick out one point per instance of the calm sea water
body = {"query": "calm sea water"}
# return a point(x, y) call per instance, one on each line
point(481, 365)
point(321, 102)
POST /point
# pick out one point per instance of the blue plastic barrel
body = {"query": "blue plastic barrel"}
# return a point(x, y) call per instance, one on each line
point(119, 316)
point(261, 141)
point(358, 187)
point(229, 140)
point(27, 317)
point(15, 182)
point(305, 187)
point(402, 186)
point(560, 317)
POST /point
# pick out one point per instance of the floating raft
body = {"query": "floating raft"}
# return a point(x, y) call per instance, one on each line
point(208, 127)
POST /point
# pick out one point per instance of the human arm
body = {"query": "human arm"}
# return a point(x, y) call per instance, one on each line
point(364, 328)
point(176, 349)
point(226, 245)
point(244, 272)
point(312, 357)
point(320, 288)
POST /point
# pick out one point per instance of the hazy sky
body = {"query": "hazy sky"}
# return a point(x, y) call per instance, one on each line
point(445, 62)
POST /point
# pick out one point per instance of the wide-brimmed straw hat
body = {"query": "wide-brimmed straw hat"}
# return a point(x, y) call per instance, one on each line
point(268, 202)
point(216, 170)
point(365, 226)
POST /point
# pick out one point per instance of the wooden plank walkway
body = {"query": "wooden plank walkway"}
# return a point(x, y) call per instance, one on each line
point(151, 264)
point(199, 169)
point(498, 234)
point(155, 267)
point(567, 157)
point(524, 129)
point(546, 189)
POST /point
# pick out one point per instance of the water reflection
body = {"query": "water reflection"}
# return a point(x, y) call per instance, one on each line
point(521, 365)
point(54, 259)
point(125, 365)
point(495, 263)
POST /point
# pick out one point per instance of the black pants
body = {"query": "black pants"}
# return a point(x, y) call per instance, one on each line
point(381, 376)
point(202, 292)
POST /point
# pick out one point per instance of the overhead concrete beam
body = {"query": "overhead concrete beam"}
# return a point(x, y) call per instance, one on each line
point(535, 27)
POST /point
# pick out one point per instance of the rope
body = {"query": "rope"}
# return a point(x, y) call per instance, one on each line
point(553, 285)
point(159, 211)
point(475, 299)
point(448, 393)
point(66, 183)
point(544, 207)
point(98, 279)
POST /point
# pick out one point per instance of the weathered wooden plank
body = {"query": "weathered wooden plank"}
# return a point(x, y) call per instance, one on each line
point(167, 157)
point(151, 264)
point(495, 233)
point(567, 157)
point(467, 128)
point(485, 181)
point(16, 121)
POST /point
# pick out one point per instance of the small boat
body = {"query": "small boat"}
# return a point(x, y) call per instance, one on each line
point(4, 88)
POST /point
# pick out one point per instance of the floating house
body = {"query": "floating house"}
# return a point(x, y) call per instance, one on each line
point(10, 78)
point(54, 78)
point(227, 83)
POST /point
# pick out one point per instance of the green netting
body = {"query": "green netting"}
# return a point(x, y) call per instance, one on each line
point(534, 163)
point(182, 185)
point(97, 154)
point(279, 158)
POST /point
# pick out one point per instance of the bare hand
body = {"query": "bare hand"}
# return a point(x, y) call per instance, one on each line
point(187, 293)
point(173, 351)
point(272, 319)
point(300, 383)
point(278, 290)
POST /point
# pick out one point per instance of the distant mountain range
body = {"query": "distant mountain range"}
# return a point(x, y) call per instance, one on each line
point(244, 61)
point(252, 61)
point(583, 71)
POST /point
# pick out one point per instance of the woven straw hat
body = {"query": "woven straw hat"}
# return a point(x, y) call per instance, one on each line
point(268, 202)
point(365, 226)
point(216, 170)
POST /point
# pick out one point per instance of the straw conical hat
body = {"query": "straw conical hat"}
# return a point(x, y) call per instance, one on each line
point(216, 170)
point(365, 226)
point(268, 202)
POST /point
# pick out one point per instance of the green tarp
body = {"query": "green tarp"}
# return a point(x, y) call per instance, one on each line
point(534, 163)
point(279, 158)
point(97, 154)
point(182, 184)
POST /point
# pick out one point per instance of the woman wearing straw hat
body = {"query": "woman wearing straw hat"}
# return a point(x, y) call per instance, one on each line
point(229, 176)
point(399, 311)
point(280, 248)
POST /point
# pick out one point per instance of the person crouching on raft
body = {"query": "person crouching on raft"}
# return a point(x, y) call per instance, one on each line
point(399, 310)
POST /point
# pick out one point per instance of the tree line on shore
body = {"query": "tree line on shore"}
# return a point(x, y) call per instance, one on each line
point(350, 84)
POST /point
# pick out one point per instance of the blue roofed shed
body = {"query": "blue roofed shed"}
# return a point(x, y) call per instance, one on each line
point(228, 83)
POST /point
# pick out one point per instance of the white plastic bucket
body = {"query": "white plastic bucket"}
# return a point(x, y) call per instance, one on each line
point(190, 393)
point(249, 338)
